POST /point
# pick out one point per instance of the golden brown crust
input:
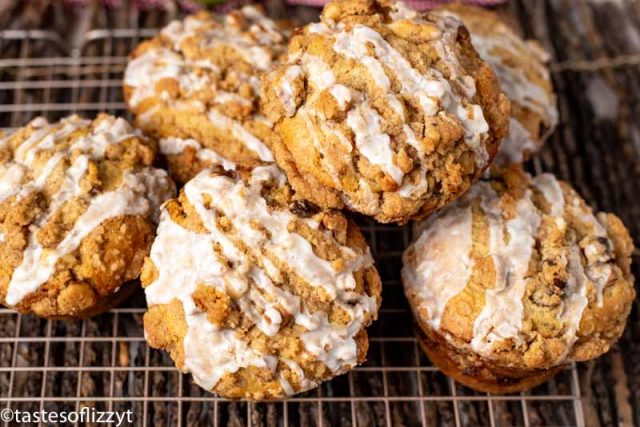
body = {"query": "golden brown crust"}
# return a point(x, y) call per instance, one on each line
point(58, 180)
point(199, 79)
point(356, 124)
point(72, 300)
point(475, 372)
point(539, 279)
point(210, 230)
point(165, 328)
point(521, 67)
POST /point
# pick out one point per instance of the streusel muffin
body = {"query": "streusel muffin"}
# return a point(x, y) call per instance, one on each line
point(521, 69)
point(198, 80)
point(256, 295)
point(517, 278)
point(78, 205)
point(383, 110)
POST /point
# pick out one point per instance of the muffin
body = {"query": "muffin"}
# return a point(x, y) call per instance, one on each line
point(257, 295)
point(198, 81)
point(384, 111)
point(516, 279)
point(79, 201)
point(521, 69)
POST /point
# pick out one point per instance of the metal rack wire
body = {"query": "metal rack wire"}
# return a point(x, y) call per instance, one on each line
point(105, 363)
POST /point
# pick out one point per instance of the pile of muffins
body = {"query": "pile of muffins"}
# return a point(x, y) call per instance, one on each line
point(257, 281)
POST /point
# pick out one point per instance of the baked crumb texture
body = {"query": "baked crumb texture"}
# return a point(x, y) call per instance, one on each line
point(516, 279)
point(195, 87)
point(523, 75)
point(255, 295)
point(78, 199)
point(386, 111)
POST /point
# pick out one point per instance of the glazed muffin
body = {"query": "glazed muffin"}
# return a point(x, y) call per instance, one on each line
point(78, 204)
point(197, 84)
point(521, 69)
point(257, 295)
point(516, 279)
point(384, 111)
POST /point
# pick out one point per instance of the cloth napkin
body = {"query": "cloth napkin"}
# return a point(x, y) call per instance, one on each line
point(414, 4)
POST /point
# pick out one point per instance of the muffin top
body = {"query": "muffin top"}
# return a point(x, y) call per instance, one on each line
point(254, 294)
point(199, 79)
point(521, 69)
point(77, 204)
point(522, 271)
point(386, 111)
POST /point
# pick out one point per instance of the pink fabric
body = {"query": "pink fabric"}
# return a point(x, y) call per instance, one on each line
point(415, 4)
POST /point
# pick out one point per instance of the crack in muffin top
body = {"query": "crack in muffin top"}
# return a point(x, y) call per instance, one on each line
point(381, 109)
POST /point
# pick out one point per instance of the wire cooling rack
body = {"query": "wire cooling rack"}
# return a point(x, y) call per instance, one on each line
point(105, 363)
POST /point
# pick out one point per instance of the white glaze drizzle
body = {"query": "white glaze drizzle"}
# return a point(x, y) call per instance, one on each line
point(305, 382)
point(157, 63)
point(498, 45)
point(173, 146)
point(140, 193)
point(432, 91)
point(596, 247)
point(322, 78)
point(442, 260)
point(286, 90)
point(11, 176)
point(374, 144)
point(308, 121)
point(362, 119)
point(575, 301)
point(145, 71)
point(241, 134)
point(516, 144)
point(434, 276)
point(513, 80)
point(253, 45)
point(410, 189)
point(503, 311)
point(550, 188)
point(212, 352)
point(38, 263)
point(43, 137)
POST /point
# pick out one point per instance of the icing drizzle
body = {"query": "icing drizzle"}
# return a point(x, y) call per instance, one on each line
point(429, 91)
point(437, 266)
point(173, 146)
point(258, 289)
point(497, 44)
point(175, 61)
point(140, 192)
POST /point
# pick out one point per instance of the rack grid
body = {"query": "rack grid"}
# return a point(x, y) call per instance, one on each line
point(105, 363)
